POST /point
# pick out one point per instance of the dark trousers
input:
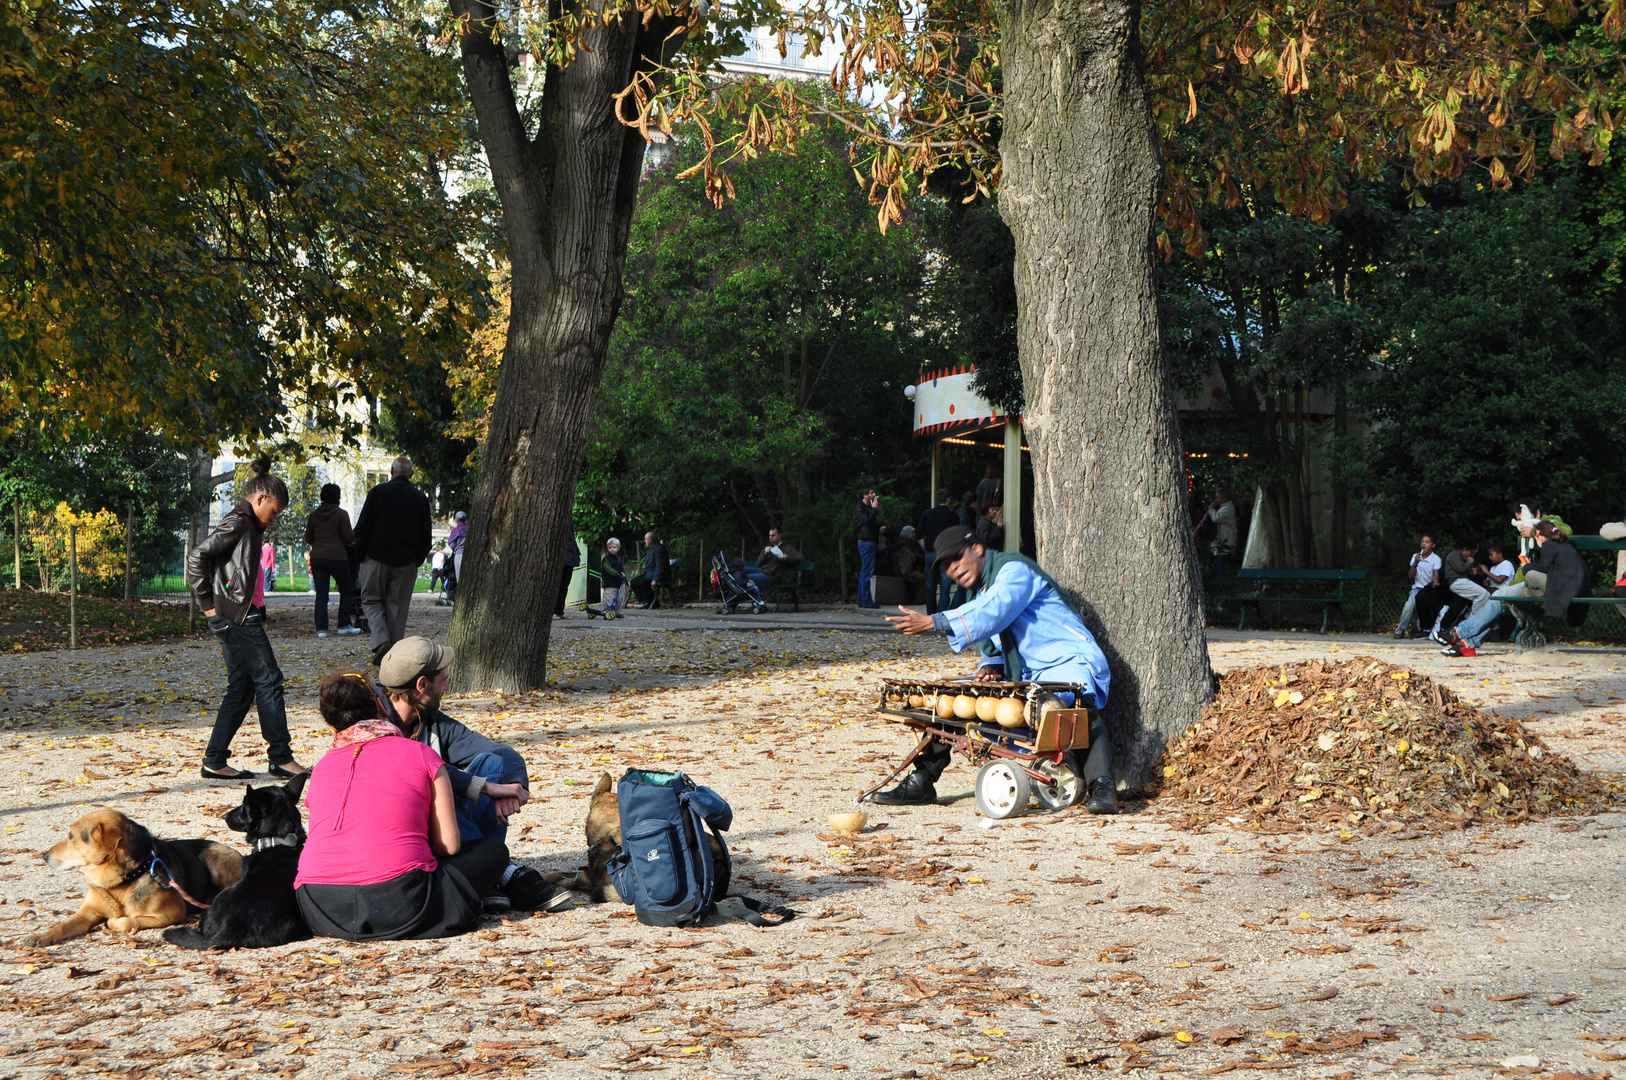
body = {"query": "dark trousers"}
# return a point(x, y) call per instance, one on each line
point(252, 678)
point(564, 587)
point(866, 573)
point(481, 862)
point(339, 571)
point(1096, 763)
point(643, 589)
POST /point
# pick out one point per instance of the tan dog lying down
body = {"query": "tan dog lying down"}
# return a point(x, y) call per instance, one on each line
point(603, 844)
point(117, 857)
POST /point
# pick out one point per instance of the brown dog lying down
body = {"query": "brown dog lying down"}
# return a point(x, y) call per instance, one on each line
point(117, 857)
point(603, 844)
point(603, 841)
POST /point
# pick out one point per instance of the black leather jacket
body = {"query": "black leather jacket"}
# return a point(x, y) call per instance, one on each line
point(223, 570)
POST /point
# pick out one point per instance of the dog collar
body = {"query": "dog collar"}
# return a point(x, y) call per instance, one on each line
point(263, 842)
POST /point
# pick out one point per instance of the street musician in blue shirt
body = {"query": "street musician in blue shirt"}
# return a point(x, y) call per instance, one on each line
point(1025, 630)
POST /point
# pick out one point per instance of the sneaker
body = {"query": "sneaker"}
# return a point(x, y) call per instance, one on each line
point(526, 890)
point(349, 631)
point(495, 904)
point(1400, 633)
point(1436, 637)
point(322, 633)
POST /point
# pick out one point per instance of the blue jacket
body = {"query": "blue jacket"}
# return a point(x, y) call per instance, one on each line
point(1020, 602)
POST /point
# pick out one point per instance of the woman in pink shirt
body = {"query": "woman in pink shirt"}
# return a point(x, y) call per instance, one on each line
point(384, 858)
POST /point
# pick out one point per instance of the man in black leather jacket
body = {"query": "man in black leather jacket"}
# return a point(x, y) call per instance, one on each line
point(223, 574)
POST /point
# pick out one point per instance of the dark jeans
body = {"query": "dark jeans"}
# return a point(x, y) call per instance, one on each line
point(252, 678)
point(938, 586)
point(564, 587)
point(339, 571)
point(866, 573)
point(1222, 563)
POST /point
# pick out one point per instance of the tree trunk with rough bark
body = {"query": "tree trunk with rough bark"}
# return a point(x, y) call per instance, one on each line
point(1079, 186)
point(567, 196)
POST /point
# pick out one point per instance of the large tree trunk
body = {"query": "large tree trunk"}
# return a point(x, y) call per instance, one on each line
point(1079, 189)
point(567, 199)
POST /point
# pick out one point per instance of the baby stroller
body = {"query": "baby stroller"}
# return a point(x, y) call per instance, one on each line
point(732, 586)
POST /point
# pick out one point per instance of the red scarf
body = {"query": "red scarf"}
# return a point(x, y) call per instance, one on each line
point(364, 731)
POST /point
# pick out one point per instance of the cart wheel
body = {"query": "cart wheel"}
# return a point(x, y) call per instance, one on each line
point(1002, 790)
point(1068, 790)
point(760, 609)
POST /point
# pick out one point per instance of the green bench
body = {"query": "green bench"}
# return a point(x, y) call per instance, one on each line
point(791, 585)
point(1528, 635)
point(1268, 578)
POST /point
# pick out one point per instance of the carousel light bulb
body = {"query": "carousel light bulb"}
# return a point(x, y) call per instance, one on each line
point(909, 392)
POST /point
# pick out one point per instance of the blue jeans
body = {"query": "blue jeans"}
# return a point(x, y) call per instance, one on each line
point(477, 819)
point(866, 571)
point(252, 678)
point(1475, 628)
point(762, 580)
point(339, 571)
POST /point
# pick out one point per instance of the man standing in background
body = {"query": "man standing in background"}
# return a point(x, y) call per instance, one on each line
point(392, 541)
point(867, 529)
point(1222, 513)
point(932, 522)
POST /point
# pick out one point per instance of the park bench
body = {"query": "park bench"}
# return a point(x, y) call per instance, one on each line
point(1269, 578)
point(1528, 634)
point(791, 585)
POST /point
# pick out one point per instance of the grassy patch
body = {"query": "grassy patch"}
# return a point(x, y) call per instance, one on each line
point(32, 621)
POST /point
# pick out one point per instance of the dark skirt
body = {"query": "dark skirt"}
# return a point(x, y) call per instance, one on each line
point(417, 904)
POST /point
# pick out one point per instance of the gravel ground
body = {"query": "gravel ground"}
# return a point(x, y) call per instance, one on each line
point(1049, 946)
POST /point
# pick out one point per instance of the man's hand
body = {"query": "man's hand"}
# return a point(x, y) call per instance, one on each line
point(989, 674)
point(507, 799)
point(209, 614)
point(911, 622)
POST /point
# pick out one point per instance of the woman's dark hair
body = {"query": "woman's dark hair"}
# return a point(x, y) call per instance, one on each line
point(331, 493)
point(263, 483)
point(346, 700)
point(1549, 531)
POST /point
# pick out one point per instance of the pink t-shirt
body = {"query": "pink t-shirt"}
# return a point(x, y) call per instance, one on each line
point(369, 806)
point(268, 559)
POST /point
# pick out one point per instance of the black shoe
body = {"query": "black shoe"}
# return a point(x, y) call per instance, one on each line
point(1400, 633)
point(228, 774)
point(1103, 796)
point(915, 790)
point(527, 891)
point(495, 904)
point(1452, 649)
point(1436, 637)
point(1416, 633)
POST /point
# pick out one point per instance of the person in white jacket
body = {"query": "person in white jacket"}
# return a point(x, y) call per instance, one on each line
point(1616, 530)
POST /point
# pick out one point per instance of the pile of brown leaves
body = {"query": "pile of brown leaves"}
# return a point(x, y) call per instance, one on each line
point(1363, 742)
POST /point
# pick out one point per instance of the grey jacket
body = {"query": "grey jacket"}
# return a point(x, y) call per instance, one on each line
point(222, 572)
point(1566, 572)
point(458, 745)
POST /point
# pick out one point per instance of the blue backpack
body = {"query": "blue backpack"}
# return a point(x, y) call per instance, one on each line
point(673, 866)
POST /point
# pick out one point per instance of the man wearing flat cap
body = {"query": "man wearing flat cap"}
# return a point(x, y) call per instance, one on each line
point(1026, 631)
point(488, 778)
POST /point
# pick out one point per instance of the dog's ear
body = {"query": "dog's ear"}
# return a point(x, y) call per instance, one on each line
point(604, 783)
point(94, 836)
point(296, 786)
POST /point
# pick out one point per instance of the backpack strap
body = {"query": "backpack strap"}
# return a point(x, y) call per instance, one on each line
point(754, 912)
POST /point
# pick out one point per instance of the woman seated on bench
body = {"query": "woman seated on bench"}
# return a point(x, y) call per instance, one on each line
point(384, 859)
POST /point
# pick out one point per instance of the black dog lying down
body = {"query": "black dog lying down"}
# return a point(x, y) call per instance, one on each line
point(260, 910)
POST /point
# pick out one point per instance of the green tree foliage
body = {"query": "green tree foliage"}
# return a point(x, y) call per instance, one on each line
point(141, 473)
point(1505, 375)
point(214, 214)
point(759, 360)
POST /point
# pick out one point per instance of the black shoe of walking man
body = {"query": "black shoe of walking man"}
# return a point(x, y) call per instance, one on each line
point(915, 790)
